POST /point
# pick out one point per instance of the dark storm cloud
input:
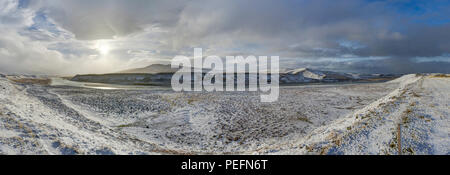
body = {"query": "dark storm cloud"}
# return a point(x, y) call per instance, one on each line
point(315, 28)
point(389, 66)
point(312, 25)
point(417, 41)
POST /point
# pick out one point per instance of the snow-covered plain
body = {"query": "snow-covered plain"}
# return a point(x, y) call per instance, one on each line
point(363, 118)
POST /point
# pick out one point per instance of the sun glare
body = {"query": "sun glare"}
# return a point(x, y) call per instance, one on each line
point(103, 47)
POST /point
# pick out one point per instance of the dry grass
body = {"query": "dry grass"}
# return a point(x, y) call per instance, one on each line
point(126, 125)
point(405, 118)
point(304, 119)
point(191, 100)
point(195, 98)
point(441, 76)
point(415, 94)
point(31, 81)
point(408, 111)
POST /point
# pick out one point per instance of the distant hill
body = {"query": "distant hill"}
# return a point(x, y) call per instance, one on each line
point(152, 69)
point(156, 69)
point(161, 74)
point(305, 75)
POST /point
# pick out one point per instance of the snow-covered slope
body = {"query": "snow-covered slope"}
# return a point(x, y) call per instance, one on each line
point(34, 120)
point(413, 119)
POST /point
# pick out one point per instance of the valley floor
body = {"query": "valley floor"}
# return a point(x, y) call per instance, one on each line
point(409, 114)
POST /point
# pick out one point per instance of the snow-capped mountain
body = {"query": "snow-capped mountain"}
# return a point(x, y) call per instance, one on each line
point(302, 75)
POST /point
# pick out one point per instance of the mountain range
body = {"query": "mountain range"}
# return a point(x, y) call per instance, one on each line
point(157, 74)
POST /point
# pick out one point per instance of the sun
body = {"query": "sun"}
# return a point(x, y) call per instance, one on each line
point(103, 47)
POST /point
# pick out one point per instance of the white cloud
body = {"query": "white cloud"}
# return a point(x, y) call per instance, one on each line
point(106, 19)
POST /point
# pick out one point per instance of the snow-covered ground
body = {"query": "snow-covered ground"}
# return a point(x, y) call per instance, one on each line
point(311, 119)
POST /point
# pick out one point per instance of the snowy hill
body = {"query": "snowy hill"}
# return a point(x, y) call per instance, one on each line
point(409, 120)
point(156, 69)
point(306, 75)
point(302, 75)
point(155, 74)
point(160, 74)
point(152, 69)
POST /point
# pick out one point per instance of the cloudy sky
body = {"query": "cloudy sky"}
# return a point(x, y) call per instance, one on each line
point(100, 36)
